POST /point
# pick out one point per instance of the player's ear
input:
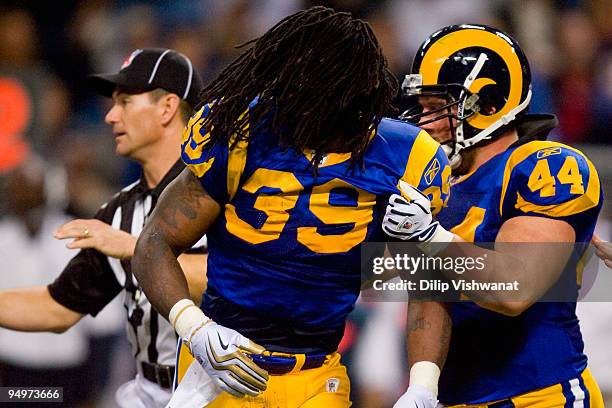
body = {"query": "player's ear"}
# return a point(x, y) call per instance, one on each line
point(169, 105)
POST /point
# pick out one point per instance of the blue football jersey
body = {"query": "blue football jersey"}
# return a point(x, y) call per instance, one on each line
point(284, 255)
point(492, 356)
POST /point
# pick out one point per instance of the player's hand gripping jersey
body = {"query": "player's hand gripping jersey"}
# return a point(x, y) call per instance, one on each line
point(283, 266)
point(493, 356)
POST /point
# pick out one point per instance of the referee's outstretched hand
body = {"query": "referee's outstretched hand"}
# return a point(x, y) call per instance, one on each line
point(95, 234)
point(604, 250)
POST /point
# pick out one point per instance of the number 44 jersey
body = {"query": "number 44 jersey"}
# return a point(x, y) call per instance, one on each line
point(283, 266)
point(492, 356)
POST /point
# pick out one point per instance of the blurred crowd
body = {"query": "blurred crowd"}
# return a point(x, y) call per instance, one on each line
point(46, 52)
point(45, 56)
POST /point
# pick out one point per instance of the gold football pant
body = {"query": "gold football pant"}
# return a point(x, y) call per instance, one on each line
point(327, 386)
point(577, 392)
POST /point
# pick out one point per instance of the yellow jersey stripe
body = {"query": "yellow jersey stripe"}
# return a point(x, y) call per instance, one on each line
point(423, 150)
point(193, 133)
point(467, 229)
point(201, 169)
point(236, 160)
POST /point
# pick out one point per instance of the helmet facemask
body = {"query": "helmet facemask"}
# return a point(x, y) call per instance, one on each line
point(483, 79)
point(460, 104)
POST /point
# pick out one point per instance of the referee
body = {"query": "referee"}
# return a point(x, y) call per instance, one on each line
point(153, 97)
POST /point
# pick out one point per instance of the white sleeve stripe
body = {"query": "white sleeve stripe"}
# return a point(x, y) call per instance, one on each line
point(115, 263)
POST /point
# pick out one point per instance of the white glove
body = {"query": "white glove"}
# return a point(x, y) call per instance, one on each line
point(417, 396)
point(408, 218)
point(219, 350)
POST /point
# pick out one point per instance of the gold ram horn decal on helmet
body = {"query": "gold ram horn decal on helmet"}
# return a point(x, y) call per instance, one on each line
point(442, 49)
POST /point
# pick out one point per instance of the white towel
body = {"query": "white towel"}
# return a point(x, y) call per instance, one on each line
point(196, 389)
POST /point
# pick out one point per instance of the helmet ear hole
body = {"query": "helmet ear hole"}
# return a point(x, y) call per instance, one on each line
point(491, 100)
point(487, 109)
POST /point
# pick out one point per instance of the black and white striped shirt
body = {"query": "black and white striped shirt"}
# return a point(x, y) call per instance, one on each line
point(91, 279)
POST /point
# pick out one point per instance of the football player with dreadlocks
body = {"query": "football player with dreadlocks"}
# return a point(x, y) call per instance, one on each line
point(290, 162)
point(511, 186)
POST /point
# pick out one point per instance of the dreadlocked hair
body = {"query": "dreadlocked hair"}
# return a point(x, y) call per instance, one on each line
point(321, 83)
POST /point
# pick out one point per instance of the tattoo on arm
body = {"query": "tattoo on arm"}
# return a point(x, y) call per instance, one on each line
point(187, 204)
point(419, 323)
point(183, 214)
point(428, 332)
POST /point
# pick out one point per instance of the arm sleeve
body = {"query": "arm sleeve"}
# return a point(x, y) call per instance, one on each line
point(206, 160)
point(554, 182)
point(87, 284)
point(551, 180)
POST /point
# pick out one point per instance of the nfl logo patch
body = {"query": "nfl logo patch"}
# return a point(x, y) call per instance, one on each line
point(128, 60)
point(332, 385)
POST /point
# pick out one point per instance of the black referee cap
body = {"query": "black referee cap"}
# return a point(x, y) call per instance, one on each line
point(150, 68)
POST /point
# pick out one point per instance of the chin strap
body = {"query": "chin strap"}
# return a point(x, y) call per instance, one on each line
point(503, 121)
point(469, 80)
point(461, 142)
point(455, 159)
point(485, 134)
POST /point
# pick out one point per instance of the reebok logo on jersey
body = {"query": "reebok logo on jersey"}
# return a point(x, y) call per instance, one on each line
point(432, 171)
point(332, 385)
point(548, 152)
